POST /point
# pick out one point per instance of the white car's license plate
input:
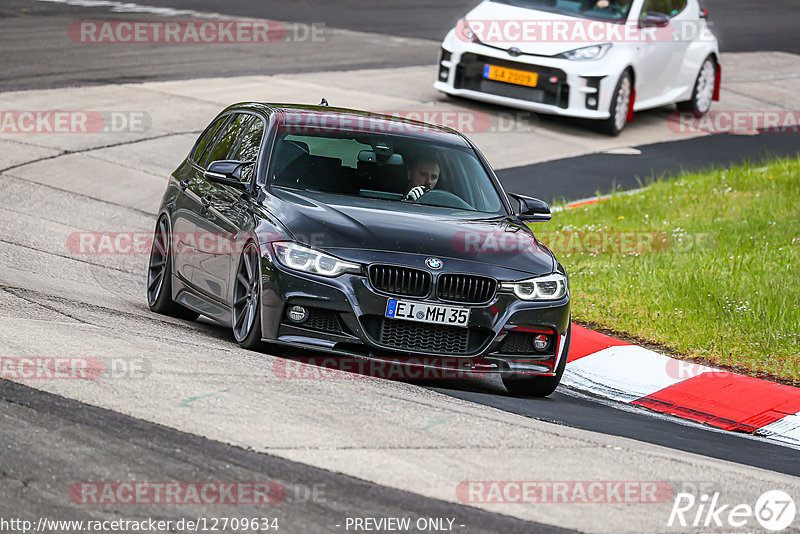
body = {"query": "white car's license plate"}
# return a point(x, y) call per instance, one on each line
point(427, 313)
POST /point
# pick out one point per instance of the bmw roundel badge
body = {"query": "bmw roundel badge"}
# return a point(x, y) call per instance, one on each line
point(434, 263)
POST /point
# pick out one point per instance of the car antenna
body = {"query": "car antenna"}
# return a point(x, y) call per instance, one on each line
point(324, 103)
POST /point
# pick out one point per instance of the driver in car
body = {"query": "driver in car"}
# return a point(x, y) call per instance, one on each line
point(619, 6)
point(422, 176)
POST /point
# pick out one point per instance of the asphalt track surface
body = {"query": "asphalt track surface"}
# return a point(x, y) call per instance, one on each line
point(584, 412)
point(589, 174)
point(37, 52)
point(96, 444)
point(741, 25)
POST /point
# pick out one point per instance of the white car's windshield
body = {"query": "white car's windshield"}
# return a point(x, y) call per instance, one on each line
point(384, 167)
point(612, 10)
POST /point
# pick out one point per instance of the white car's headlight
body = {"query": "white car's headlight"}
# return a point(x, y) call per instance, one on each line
point(550, 287)
point(465, 32)
point(587, 52)
point(300, 258)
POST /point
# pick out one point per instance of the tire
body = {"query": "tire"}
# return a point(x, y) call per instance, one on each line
point(159, 276)
point(538, 386)
point(620, 105)
point(246, 309)
point(703, 92)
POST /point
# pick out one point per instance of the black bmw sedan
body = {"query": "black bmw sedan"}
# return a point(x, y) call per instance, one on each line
point(362, 235)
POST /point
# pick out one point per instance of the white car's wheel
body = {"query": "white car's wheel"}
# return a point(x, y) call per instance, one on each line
point(703, 93)
point(620, 105)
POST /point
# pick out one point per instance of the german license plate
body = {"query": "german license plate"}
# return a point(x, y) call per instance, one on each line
point(517, 77)
point(427, 313)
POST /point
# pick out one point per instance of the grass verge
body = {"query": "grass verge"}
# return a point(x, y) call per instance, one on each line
point(705, 264)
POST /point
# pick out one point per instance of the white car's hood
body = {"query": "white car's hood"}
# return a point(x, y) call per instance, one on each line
point(494, 24)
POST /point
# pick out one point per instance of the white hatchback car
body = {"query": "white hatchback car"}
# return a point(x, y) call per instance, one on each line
point(595, 59)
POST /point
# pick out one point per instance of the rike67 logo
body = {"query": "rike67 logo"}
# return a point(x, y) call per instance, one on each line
point(774, 510)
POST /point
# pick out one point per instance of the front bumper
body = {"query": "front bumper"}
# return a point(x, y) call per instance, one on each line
point(346, 317)
point(569, 88)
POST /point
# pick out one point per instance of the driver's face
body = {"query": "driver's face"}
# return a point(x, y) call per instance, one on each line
point(425, 173)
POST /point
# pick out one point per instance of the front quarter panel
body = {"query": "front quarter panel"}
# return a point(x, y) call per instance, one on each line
point(268, 230)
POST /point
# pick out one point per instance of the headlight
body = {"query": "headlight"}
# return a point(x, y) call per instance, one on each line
point(465, 32)
point(587, 52)
point(550, 287)
point(300, 258)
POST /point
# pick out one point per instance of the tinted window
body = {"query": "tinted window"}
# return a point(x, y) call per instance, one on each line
point(206, 138)
point(250, 144)
point(665, 7)
point(227, 140)
point(677, 7)
point(343, 150)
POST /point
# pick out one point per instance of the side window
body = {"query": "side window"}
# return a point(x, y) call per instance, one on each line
point(227, 139)
point(669, 8)
point(250, 142)
point(202, 157)
point(677, 7)
point(249, 146)
point(206, 138)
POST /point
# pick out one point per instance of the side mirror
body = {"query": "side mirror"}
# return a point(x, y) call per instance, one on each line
point(532, 209)
point(654, 20)
point(227, 173)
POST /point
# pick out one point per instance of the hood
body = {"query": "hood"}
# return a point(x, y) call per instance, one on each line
point(339, 223)
point(497, 24)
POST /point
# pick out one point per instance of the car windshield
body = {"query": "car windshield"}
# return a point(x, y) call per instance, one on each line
point(384, 168)
point(611, 10)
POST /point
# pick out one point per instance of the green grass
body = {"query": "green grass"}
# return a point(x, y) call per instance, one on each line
point(725, 285)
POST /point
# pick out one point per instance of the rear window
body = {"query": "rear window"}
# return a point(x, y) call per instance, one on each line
point(344, 150)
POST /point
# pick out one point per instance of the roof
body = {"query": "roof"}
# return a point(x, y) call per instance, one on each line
point(301, 117)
